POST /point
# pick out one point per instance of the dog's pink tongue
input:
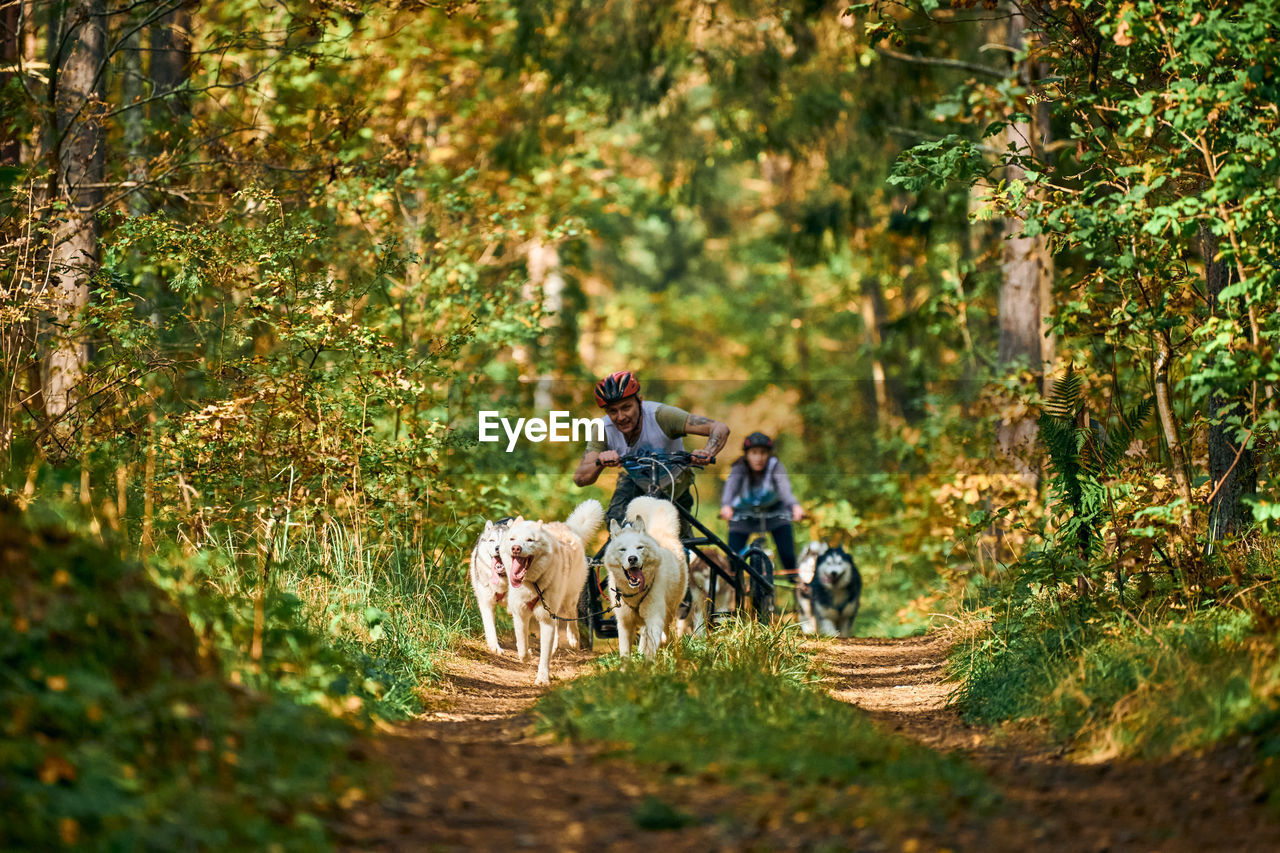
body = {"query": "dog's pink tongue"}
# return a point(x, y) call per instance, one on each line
point(518, 568)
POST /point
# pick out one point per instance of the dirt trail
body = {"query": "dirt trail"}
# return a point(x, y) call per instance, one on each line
point(470, 775)
point(1193, 803)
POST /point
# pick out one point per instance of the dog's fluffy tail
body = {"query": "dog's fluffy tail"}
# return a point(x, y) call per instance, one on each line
point(661, 521)
point(586, 519)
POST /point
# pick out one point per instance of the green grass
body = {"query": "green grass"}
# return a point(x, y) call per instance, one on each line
point(1106, 682)
point(744, 702)
point(378, 619)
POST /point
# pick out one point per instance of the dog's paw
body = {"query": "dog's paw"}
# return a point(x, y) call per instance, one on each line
point(497, 650)
point(542, 681)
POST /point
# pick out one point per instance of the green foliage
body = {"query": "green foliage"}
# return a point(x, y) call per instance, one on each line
point(344, 616)
point(1115, 684)
point(746, 701)
point(1082, 459)
point(121, 732)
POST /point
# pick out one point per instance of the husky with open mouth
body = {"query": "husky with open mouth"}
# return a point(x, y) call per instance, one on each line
point(489, 577)
point(837, 591)
point(806, 567)
point(647, 573)
point(546, 570)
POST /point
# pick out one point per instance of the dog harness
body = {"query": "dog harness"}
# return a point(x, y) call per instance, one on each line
point(618, 596)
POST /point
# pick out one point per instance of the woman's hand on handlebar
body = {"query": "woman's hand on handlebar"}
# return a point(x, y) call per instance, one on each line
point(797, 512)
point(726, 512)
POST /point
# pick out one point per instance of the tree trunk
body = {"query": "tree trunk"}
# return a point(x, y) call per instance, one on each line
point(873, 323)
point(133, 90)
point(1027, 264)
point(10, 51)
point(1233, 467)
point(1027, 281)
point(171, 64)
point(76, 155)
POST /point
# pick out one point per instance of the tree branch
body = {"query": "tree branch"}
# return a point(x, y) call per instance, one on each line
point(957, 64)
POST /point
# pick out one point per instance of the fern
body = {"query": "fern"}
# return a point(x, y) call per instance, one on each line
point(1082, 458)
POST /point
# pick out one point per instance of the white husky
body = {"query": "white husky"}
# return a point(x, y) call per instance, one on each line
point(647, 573)
point(546, 570)
point(806, 568)
point(489, 577)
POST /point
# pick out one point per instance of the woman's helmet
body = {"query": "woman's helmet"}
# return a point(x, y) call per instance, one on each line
point(616, 386)
point(757, 439)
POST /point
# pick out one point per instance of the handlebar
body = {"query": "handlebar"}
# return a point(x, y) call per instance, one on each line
point(663, 457)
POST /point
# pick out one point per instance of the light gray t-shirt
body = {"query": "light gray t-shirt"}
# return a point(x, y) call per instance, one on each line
point(661, 428)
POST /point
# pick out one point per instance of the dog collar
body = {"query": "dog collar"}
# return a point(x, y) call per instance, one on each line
point(620, 595)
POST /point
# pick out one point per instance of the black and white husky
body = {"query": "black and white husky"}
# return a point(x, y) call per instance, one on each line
point(836, 590)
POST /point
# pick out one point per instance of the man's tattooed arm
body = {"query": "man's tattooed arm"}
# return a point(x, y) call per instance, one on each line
point(716, 432)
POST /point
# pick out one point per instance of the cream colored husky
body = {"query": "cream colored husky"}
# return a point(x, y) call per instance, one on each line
point(489, 577)
point(546, 570)
point(647, 573)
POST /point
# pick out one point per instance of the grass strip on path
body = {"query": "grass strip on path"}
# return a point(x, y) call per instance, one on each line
point(745, 702)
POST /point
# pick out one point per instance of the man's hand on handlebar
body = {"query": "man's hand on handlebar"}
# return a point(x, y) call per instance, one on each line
point(608, 458)
point(703, 457)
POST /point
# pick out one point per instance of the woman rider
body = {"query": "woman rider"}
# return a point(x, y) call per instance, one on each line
point(759, 480)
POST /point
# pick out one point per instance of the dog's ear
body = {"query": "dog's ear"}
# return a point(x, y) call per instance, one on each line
point(638, 523)
point(614, 527)
point(488, 525)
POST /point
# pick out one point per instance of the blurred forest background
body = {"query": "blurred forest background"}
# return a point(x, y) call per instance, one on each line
point(1000, 275)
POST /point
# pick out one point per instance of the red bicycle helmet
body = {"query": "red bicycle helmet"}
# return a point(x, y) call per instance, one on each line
point(616, 386)
point(757, 439)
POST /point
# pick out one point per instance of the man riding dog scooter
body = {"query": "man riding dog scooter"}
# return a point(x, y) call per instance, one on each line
point(633, 424)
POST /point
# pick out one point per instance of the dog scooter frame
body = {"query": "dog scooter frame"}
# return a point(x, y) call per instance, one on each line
point(753, 565)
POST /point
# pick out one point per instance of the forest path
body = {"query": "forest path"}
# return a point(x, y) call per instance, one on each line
point(471, 775)
point(1189, 803)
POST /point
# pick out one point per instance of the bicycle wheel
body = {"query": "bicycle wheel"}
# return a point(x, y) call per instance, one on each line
point(586, 606)
point(761, 593)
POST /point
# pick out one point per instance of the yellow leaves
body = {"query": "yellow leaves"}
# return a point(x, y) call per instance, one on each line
point(1122, 36)
point(350, 797)
point(56, 683)
point(61, 577)
point(68, 831)
point(55, 769)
